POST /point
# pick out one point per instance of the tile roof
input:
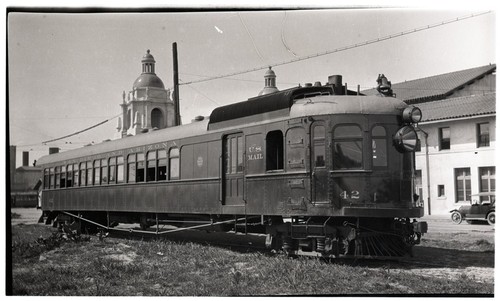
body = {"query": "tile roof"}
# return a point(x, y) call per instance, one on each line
point(458, 107)
point(436, 86)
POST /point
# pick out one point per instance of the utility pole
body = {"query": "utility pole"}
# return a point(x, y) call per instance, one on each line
point(176, 85)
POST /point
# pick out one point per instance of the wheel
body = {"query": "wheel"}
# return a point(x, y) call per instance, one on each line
point(456, 217)
point(491, 218)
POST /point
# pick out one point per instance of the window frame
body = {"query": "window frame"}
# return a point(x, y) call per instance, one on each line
point(385, 144)
point(461, 175)
point(479, 141)
point(174, 158)
point(349, 138)
point(444, 143)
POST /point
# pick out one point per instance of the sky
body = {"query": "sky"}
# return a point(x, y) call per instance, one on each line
point(67, 72)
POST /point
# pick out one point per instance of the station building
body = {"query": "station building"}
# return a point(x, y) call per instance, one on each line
point(456, 157)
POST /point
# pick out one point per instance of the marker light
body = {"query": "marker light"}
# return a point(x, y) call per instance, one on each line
point(406, 139)
point(412, 115)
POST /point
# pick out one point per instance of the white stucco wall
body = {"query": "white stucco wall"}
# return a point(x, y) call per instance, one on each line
point(463, 153)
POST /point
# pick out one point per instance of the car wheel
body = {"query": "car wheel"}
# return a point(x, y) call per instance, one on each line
point(456, 217)
point(491, 218)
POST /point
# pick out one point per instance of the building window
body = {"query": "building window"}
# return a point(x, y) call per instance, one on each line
point(483, 135)
point(274, 150)
point(487, 181)
point(157, 118)
point(162, 165)
point(347, 147)
point(174, 163)
point(441, 191)
point(444, 138)
point(463, 184)
point(379, 146)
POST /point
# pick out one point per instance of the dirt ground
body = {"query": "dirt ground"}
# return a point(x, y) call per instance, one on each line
point(447, 251)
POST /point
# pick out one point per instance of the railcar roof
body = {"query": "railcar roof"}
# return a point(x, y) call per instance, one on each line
point(168, 134)
point(333, 104)
point(309, 106)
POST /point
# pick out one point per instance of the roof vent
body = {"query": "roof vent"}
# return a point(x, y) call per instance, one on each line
point(308, 85)
point(198, 118)
point(317, 84)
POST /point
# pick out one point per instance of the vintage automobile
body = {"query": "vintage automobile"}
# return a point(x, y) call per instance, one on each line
point(482, 207)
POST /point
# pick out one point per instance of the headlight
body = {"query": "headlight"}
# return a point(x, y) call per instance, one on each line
point(412, 115)
point(406, 139)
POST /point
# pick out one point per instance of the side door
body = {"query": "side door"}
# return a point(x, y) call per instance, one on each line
point(320, 173)
point(233, 170)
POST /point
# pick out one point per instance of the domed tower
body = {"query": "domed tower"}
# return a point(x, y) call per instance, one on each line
point(269, 83)
point(148, 105)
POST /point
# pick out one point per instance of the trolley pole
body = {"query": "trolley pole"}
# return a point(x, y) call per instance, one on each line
point(176, 85)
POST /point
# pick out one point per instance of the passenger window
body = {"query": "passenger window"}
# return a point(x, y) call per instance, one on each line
point(319, 146)
point(69, 181)
point(379, 146)
point(89, 173)
point(151, 166)
point(119, 170)
point(104, 172)
point(140, 168)
point(112, 171)
point(162, 165)
point(174, 163)
point(274, 150)
point(52, 178)
point(347, 147)
point(46, 178)
point(76, 175)
point(83, 173)
point(58, 177)
point(97, 172)
point(131, 169)
point(63, 176)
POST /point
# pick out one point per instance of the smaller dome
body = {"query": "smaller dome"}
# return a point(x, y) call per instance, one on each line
point(270, 73)
point(148, 57)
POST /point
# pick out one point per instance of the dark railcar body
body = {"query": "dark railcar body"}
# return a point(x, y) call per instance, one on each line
point(303, 153)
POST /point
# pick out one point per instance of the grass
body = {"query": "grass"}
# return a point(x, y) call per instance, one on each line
point(119, 267)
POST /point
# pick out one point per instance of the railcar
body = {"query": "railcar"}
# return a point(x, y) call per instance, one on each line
point(322, 170)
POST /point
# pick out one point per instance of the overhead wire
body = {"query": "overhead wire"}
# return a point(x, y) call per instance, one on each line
point(297, 59)
point(84, 130)
point(352, 46)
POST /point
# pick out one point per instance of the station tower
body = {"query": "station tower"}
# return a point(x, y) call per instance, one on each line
point(148, 105)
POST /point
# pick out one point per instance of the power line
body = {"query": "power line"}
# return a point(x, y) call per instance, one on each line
point(84, 130)
point(357, 45)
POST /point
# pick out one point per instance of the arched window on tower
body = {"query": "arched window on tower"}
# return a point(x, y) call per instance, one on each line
point(157, 119)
